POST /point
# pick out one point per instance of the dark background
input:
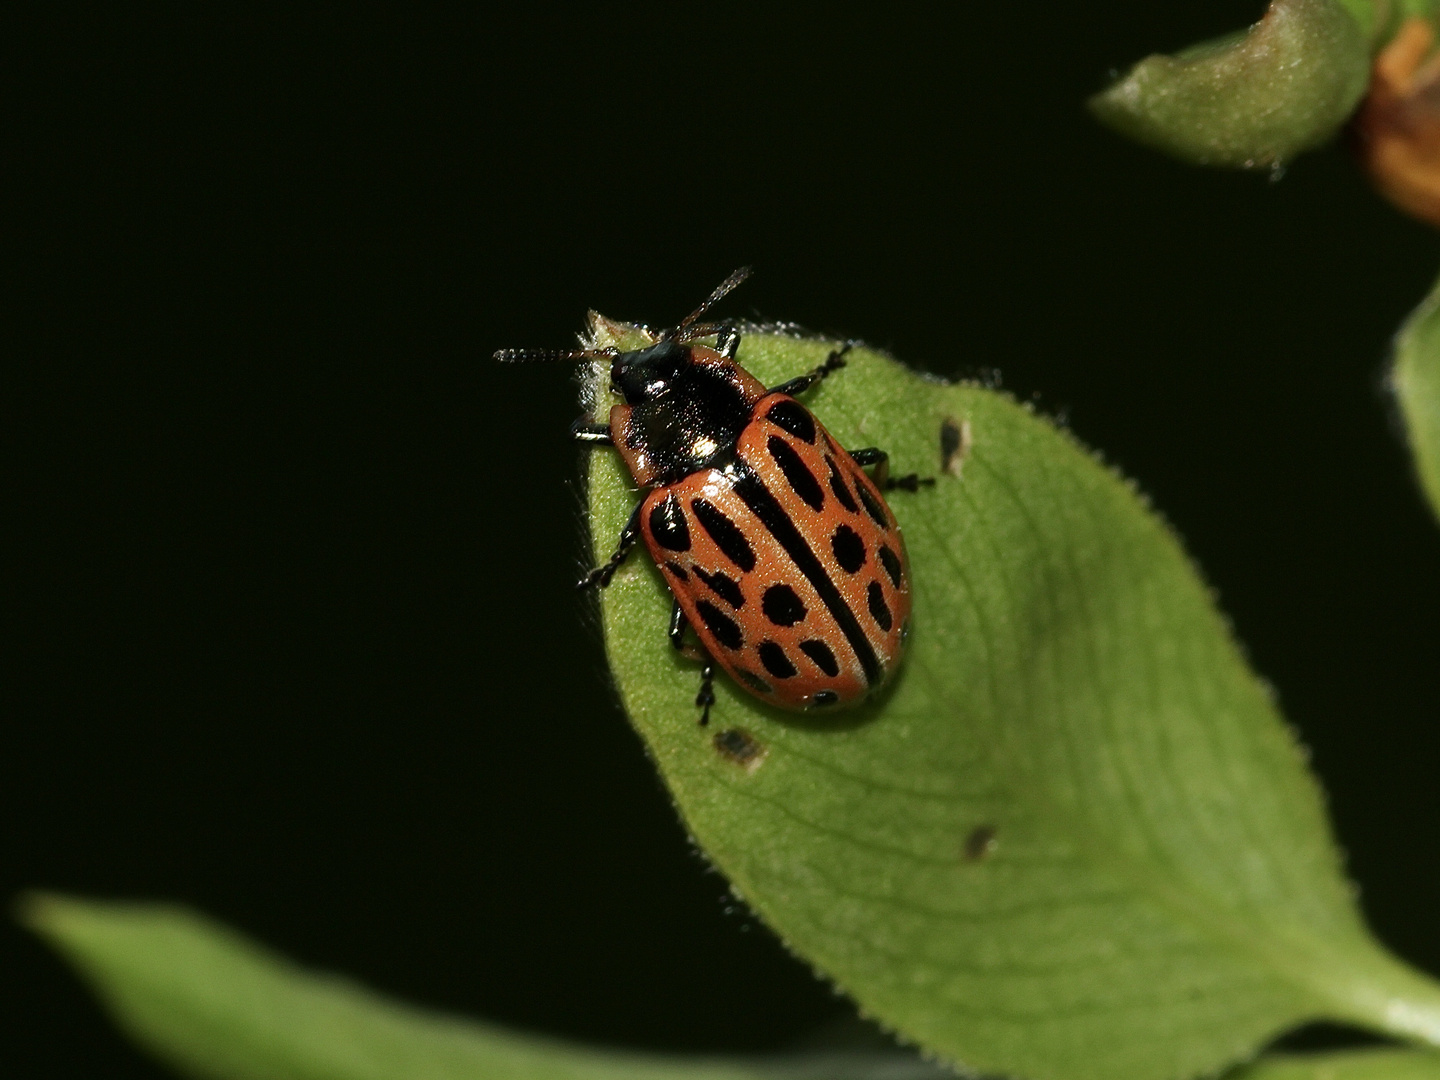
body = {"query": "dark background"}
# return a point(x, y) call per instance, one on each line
point(289, 629)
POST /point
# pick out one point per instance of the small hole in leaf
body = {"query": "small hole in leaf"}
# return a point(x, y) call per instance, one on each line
point(981, 842)
point(739, 746)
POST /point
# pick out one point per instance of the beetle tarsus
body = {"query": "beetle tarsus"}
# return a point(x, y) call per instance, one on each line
point(834, 362)
point(909, 482)
point(873, 455)
point(601, 575)
point(706, 697)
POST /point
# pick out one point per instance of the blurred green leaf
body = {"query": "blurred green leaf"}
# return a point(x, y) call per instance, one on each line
point(1250, 100)
point(1077, 841)
point(1379, 19)
point(1416, 379)
point(218, 1006)
point(1371, 1064)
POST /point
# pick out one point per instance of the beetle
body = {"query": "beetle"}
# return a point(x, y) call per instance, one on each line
point(779, 550)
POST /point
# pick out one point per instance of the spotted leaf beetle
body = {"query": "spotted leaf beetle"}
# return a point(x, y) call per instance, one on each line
point(780, 552)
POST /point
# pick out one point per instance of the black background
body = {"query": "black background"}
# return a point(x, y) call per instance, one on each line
point(289, 627)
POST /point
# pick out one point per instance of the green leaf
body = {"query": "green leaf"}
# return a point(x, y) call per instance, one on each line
point(1253, 100)
point(1370, 1064)
point(217, 1006)
point(1416, 380)
point(1077, 841)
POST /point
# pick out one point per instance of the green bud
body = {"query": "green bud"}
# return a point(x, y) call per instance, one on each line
point(1250, 100)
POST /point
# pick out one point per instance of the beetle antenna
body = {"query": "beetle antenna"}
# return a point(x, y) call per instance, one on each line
point(721, 291)
point(535, 356)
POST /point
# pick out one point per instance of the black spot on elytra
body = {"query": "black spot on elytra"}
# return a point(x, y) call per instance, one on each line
point(849, 549)
point(824, 697)
point(840, 488)
point(739, 746)
point(873, 506)
point(891, 562)
point(794, 418)
point(775, 660)
point(678, 570)
point(719, 624)
point(781, 606)
point(750, 679)
point(667, 525)
point(879, 610)
point(797, 474)
point(727, 536)
point(723, 586)
point(980, 842)
point(823, 656)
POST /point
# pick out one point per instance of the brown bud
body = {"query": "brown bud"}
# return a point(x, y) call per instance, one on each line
point(1398, 126)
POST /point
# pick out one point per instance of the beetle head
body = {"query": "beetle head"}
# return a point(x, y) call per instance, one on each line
point(645, 374)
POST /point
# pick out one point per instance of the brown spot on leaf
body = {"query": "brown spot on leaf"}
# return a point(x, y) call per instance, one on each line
point(980, 842)
point(739, 746)
point(954, 444)
point(1397, 128)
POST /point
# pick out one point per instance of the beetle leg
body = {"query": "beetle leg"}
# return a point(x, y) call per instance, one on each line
point(873, 455)
point(583, 430)
point(601, 575)
point(678, 625)
point(727, 341)
point(706, 697)
point(834, 362)
point(908, 482)
point(870, 455)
